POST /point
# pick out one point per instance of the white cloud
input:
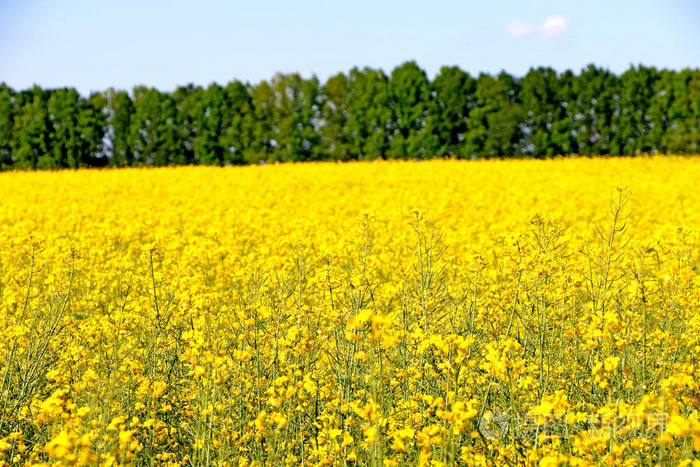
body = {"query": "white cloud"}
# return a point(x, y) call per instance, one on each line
point(520, 28)
point(552, 27)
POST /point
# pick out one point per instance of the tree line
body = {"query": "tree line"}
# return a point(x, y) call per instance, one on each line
point(362, 114)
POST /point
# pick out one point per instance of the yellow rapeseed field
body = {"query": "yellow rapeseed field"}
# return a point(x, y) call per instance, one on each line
point(386, 313)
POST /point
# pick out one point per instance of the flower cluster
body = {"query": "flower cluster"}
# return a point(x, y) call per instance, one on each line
point(387, 313)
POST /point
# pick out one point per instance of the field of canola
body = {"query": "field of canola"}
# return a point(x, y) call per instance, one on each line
point(387, 313)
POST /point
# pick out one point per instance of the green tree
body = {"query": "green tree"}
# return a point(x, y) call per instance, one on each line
point(336, 140)
point(92, 123)
point(659, 111)
point(633, 123)
point(119, 112)
point(187, 102)
point(209, 123)
point(410, 102)
point(31, 130)
point(369, 113)
point(453, 100)
point(7, 115)
point(363, 114)
point(153, 135)
point(545, 121)
point(239, 123)
point(63, 108)
point(683, 132)
point(597, 103)
point(296, 117)
point(494, 125)
point(562, 136)
point(264, 125)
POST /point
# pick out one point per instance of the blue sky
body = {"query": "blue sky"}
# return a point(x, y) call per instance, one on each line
point(96, 44)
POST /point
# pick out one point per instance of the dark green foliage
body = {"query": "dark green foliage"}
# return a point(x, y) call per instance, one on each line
point(64, 139)
point(8, 109)
point(546, 124)
point(296, 114)
point(119, 110)
point(683, 133)
point(187, 101)
point(453, 99)
point(596, 105)
point(362, 114)
point(369, 113)
point(264, 126)
point(336, 139)
point(633, 121)
point(31, 130)
point(92, 122)
point(410, 102)
point(209, 126)
point(494, 126)
point(239, 124)
point(153, 132)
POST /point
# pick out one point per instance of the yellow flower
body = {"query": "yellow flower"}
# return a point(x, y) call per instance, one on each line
point(370, 434)
point(678, 426)
point(306, 314)
point(611, 363)
point(125, 438)
point(260, 422)
point(60, 446)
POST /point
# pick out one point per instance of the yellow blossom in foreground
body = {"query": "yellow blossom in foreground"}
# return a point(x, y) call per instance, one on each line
point(386, 313)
